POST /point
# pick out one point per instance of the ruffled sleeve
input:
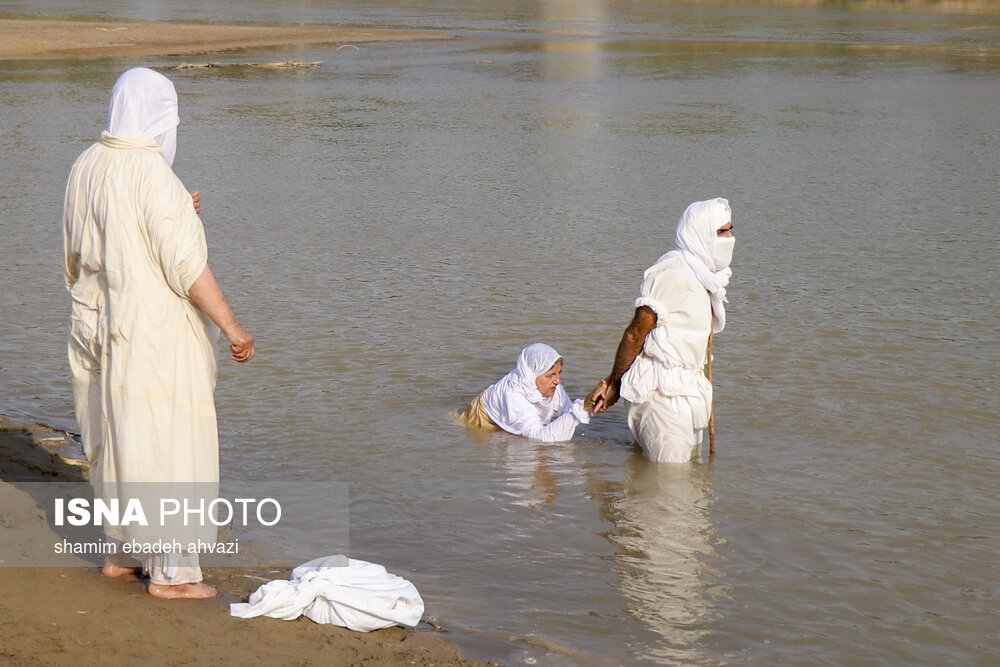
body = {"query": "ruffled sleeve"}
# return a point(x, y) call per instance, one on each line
point(660, 290)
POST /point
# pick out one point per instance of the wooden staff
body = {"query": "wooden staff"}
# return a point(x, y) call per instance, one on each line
point(711, 414)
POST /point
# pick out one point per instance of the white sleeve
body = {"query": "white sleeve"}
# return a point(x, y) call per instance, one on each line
point(176, 233)
point(660, 290)
point(559, 429)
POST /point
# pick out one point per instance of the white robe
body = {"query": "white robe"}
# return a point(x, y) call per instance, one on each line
point(141, 352)
point(666, 386)
point(554, 420)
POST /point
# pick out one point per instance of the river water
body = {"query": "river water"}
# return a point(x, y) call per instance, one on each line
point(396, 225)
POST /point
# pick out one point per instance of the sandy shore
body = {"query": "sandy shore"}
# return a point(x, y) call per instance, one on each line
point(29, 38)
point(44, 39)
point(76, 616)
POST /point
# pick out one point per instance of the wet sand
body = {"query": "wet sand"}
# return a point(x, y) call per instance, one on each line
point(54, 39)
point(76, 616)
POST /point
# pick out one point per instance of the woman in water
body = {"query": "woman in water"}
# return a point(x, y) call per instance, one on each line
point(529, 400)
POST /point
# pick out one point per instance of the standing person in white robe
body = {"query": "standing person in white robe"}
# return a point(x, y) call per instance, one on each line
point(529, 400)
point(659, 365)
point(141, 344)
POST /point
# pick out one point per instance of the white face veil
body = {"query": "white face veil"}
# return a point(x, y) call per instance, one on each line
point(144, 106)
point(706, 252)
point(696, 232)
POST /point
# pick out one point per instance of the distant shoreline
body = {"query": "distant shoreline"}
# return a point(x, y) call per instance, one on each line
point(60, 39)
point(43, 38)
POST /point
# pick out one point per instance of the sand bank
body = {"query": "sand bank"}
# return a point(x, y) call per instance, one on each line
point(54, 39)
point(76, 616)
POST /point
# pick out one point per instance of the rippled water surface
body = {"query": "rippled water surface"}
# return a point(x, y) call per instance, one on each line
point(397, 224)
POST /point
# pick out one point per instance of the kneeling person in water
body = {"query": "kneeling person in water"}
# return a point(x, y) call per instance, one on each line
point(529, 400)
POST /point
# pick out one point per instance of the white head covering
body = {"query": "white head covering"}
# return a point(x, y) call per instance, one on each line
point(144, 106)
point(505, 401)
point(697, 243)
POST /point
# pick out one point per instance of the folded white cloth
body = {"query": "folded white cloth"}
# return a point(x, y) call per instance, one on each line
point(360, 596)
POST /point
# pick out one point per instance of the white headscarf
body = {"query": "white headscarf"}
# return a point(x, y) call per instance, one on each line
point(504, 401)
point(699, 245)
point(144, 106)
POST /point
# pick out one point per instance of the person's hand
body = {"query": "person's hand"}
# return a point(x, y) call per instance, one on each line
point(610, 397)
point(241, 344)
point(595, 400)
point(196, 200)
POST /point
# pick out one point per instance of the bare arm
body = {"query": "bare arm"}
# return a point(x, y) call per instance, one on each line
point(207, 295)
point(605, 394)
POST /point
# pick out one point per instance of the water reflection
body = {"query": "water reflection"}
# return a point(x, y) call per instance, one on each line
point(578, 59)
point(664, 535)
point(535, 472)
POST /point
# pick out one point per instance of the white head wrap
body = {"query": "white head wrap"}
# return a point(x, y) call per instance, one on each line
point(696, 244)
point(144, 106)
point(505, 401)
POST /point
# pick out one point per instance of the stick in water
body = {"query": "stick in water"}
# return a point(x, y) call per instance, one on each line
point(711, 414)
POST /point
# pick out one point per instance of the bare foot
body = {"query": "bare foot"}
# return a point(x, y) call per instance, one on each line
point(112, 570)
point(196, 591)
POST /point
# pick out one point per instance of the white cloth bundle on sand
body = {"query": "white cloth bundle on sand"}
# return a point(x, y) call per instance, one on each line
point(360, 596)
